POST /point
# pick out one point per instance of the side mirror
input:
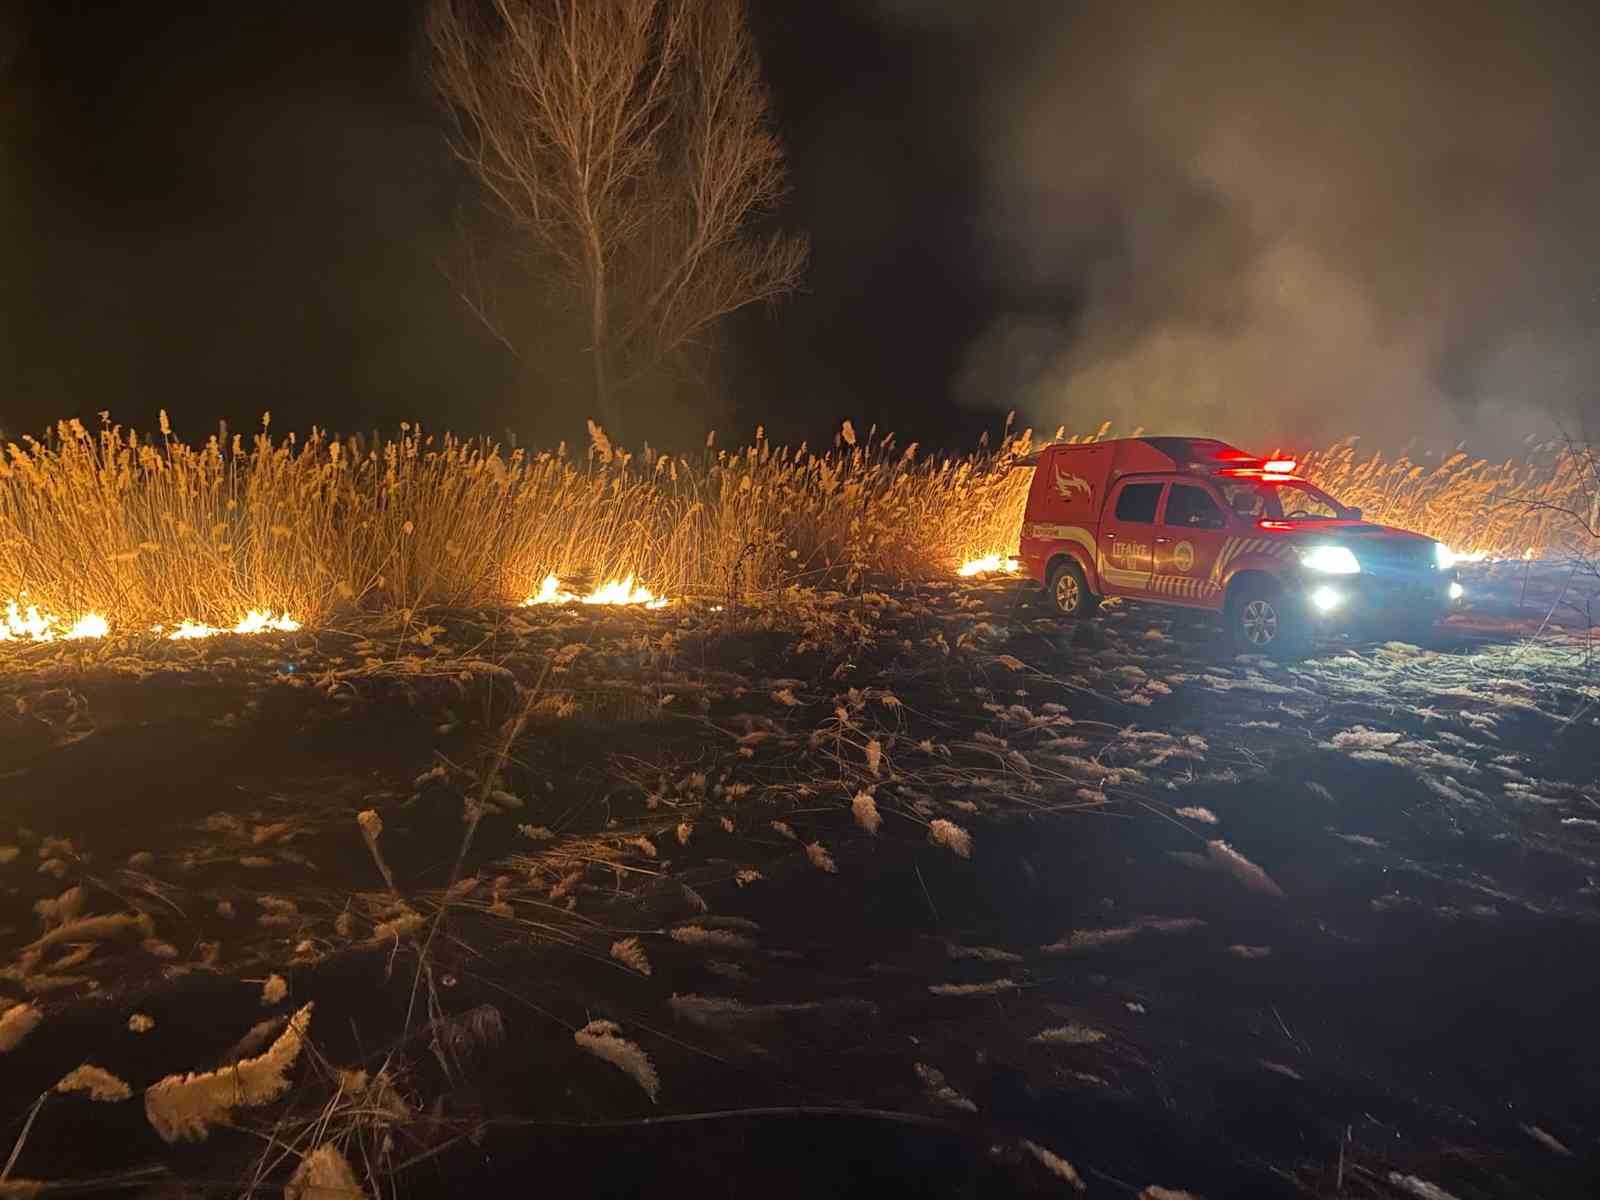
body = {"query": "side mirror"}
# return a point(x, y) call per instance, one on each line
point(1355, 514)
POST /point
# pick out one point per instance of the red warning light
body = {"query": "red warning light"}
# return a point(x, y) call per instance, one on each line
point(1283, 465)
point(1276, 525)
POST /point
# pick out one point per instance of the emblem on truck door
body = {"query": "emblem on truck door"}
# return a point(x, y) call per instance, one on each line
point(1067, 484)
point(1183, 556)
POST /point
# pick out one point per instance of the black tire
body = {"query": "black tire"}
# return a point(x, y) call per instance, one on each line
point(1067, 591)
point(1261, 620)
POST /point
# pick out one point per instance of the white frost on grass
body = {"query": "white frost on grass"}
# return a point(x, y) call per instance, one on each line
point(64, 908)
point(630, 953)
point(952, 836)
point(1055, 1164)
point(99, 1083)
point(96, 929)
point(820, 858)
point(865, 810)
point(989, 988)
point(16, 1023)
point(404, 925)
point(1070, 1034)
point(980, 953)
point(1241, 868)
point(1359, 839)
point(1204, 815)
point(324, 1174)
point(604, 1040)
point(715, 939)
point(184, 1107)
point(1421, 1188)
point(1092, 939)
point(939, 1090)
point(1359, 737)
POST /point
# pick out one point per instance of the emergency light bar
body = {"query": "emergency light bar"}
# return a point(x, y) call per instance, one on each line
point(1283, 466)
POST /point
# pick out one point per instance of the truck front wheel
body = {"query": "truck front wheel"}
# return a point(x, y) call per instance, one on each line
point(1260, 619)
point(1069, 591)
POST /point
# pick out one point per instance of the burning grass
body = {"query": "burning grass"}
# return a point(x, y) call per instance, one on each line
point(110, 531)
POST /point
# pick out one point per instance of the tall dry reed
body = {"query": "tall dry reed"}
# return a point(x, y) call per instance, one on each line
point(147, 530)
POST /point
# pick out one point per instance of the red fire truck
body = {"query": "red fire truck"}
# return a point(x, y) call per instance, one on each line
point(1199, 523)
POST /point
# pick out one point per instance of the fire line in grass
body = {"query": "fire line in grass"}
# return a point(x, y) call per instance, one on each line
point(617, 591)
point(252, 622)
point(30, 625)
point(18, 624)
point(989, 565)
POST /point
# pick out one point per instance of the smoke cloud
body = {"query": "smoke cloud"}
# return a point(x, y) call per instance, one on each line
point(1283, 224)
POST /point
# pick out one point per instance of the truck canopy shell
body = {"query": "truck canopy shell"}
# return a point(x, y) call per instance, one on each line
point(1071, 480)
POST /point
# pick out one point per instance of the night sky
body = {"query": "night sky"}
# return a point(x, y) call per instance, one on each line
point(1242, 219)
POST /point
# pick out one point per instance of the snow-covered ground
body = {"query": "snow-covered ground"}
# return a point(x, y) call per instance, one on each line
point(1023, 896)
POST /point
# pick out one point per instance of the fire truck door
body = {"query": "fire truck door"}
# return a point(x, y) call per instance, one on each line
point(1127, 537)
point(1190, 536)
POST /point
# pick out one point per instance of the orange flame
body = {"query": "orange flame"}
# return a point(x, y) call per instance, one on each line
point(30, 625)
point(617, 591)
point(251, 622)
point(988, 565)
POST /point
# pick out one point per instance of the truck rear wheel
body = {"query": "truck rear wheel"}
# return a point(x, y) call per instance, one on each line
point(1260, 619)
point(1068, 590)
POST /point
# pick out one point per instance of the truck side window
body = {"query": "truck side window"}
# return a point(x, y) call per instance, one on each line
point(1190, 507)
point(1137, 503)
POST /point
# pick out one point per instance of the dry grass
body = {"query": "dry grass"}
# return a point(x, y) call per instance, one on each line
point(1504, 508)
point(155, 531)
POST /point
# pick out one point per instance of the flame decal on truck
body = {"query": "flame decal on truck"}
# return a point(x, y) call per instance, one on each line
point(1066, 484)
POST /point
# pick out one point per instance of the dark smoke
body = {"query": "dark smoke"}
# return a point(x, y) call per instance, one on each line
point(1287, 223)
point(1275, 222)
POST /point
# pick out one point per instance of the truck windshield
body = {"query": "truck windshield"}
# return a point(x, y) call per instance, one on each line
point(1282, 500)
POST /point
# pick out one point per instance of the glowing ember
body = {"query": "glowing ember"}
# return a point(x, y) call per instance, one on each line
point(988, 566)
point(30, 625)
point(253, 622)
point(618, 591)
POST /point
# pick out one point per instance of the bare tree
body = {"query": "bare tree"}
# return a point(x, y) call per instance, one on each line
point(632, 140)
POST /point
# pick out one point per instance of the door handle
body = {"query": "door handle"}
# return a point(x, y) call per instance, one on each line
point(1109, 536)
point(1162, 541)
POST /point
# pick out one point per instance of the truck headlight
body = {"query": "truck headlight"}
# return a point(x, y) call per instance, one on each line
point(1326, 599)
point(1444, 557)
point(1332, 560)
